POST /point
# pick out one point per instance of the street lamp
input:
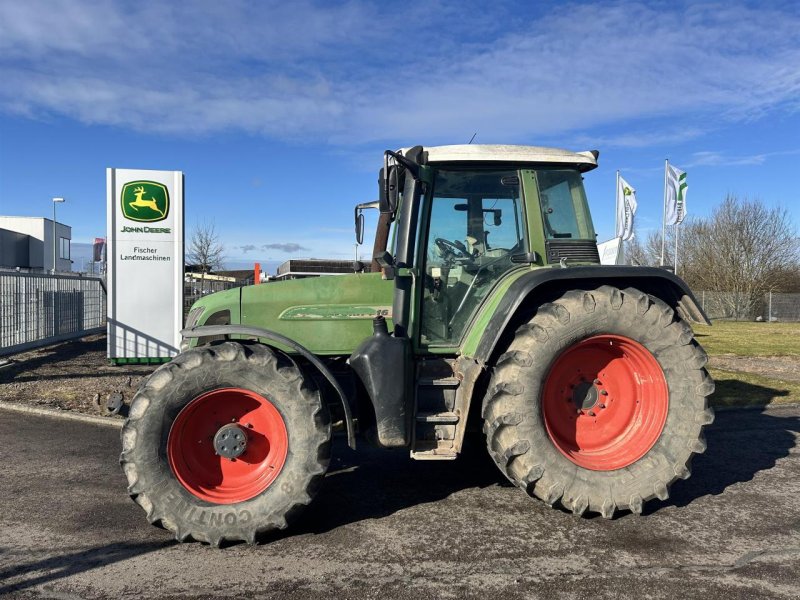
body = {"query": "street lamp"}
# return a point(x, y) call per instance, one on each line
point(54, 232)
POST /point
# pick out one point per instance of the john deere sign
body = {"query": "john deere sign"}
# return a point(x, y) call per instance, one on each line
point(145, 201)
point(145, 264)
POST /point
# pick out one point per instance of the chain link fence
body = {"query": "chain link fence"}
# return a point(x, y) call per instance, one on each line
point(41, 309)
point(740, 306)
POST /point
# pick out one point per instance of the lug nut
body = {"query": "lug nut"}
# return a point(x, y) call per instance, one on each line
point(602, 406)
point(591, 413)
point(596, 382)
point(603, 392)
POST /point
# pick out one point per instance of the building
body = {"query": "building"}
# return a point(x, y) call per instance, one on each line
point(27, 243)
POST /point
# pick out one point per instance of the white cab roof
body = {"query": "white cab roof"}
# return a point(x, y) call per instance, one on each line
point(585, 161)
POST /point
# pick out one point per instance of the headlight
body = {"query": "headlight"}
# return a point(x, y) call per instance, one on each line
point(194, 316)
point(191, 320)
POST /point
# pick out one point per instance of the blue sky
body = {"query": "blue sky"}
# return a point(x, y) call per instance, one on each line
point(278, 112)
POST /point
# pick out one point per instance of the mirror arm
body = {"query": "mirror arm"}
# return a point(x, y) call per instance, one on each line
point(410, 165)
point(386, 263)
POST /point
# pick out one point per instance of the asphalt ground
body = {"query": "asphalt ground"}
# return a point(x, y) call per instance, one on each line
point(384, 526)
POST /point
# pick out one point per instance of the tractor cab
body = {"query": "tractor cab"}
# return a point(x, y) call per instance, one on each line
point(465, 216)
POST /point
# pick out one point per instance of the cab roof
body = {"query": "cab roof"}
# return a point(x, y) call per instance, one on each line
point(488, 153)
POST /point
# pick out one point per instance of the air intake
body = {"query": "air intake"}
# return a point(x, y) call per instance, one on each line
point(577, 251)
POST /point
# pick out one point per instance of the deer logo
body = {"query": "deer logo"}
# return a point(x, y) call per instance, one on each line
point(145, 201)
point(142, 202)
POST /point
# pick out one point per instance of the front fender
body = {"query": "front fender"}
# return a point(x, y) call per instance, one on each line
point(280, 341)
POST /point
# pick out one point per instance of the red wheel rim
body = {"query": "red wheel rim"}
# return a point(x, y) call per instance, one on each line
point(605, 402)
point(192, 454)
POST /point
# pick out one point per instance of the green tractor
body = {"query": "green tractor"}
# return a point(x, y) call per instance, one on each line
point(484, 306)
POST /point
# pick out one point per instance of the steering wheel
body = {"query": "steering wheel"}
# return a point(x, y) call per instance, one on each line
point(457, 249)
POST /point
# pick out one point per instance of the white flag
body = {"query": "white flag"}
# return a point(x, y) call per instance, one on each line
point(626, 209)
point(675, 195)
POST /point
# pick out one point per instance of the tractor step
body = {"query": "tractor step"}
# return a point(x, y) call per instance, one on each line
point(436, 414)
point(433, 454)
point(442, 382)
point(446, 417)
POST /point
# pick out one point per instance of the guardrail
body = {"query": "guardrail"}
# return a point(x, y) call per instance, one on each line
point(39, 309)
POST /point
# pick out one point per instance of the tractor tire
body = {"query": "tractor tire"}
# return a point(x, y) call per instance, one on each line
point(225, 443)
point(599, 402)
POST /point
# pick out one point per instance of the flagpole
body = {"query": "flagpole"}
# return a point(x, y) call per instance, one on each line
point(664, 213)
point(676, 247)
point(616, 206)
point(616, 219)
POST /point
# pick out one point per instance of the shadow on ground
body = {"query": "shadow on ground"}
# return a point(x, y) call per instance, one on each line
point(732, 392)
point(372, 483)
point(72, 563)
point(741, 444)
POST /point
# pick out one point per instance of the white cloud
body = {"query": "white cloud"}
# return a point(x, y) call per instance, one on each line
point(350, 73)
point(712, 158)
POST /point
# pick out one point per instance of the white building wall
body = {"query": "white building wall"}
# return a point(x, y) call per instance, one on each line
point(41, 230)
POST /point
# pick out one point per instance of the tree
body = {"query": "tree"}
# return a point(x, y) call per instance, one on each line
point(647, 252)
point(743, 248)
point(205, 249)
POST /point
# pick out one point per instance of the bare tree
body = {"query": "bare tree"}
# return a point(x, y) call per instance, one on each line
point(740, 253)
point(744, 248)
point(647, 252)
point(205, 249)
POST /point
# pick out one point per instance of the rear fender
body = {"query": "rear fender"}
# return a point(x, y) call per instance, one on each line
point(544, 285)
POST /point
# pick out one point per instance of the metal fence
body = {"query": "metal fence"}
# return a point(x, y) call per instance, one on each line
point(740, 306)
point(41, 309)
point(195, 289)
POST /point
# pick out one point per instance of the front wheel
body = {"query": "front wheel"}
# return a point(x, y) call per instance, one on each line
point(225, 443)
point(599, 402)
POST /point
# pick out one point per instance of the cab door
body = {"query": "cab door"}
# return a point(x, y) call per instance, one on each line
point(474, 225)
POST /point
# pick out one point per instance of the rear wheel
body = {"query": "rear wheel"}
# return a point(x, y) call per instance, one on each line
point(225, 443)
point(599, 402)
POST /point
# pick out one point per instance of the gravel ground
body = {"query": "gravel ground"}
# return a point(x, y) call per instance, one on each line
point(75, 375)
point(778, 367)
point(384, 526)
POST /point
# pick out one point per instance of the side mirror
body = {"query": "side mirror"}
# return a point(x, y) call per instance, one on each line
point(359, 227)
point(388, 188)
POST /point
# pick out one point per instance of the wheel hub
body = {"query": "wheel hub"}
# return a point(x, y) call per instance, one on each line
point(230, 441)
point(585, 395)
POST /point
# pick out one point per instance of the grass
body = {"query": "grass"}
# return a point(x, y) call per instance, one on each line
point(746, 338)
point(751, 340)
point(737, 388)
